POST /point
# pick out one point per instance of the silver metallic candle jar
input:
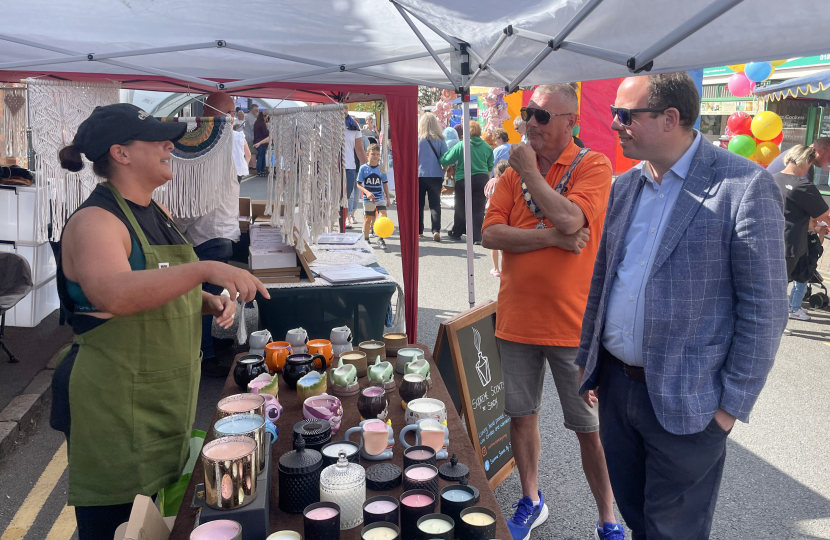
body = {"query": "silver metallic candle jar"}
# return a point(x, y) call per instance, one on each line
point(230, 472)
point(241, 404)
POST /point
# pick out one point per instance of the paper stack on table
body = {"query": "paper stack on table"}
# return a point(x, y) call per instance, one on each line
point(348, 273)
point(268, 251)
point(339, 238)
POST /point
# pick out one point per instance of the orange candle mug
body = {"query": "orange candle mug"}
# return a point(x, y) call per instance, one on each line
point(320, 346)
point(275, 354)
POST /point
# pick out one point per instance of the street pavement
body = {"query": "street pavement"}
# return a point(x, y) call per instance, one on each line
point(776, 484)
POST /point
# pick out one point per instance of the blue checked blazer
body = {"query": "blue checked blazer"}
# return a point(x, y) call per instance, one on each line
point(716, 297)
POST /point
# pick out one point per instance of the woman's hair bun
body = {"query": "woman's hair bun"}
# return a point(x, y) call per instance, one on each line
point(70, 158)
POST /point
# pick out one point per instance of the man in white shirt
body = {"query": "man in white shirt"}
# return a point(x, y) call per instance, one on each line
point(213, 235)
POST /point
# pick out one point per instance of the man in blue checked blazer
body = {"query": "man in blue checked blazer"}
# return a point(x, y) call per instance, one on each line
point(686, 310)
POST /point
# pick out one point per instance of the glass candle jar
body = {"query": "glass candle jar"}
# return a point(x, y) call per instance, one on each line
point(344, 483)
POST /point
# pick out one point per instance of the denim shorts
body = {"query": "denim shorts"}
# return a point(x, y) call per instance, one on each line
point(524, 377)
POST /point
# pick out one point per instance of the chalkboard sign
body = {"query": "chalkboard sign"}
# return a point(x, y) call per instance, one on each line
point(467, 353)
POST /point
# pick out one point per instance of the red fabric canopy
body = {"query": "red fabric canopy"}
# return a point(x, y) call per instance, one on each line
point(403, 120)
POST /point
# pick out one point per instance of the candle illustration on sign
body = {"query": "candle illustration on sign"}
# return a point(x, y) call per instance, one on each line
point(483, 363)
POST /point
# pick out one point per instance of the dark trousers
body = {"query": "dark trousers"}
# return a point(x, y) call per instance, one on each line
point(97, 522)
point(666, 485)
point(459, 225)
point(260, 158)
point(430, 186)
point(218, 249)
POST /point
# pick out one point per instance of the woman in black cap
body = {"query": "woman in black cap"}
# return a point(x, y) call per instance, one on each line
point(125, 394)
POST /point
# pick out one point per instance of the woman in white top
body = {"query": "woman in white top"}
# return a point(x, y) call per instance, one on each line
point(241, 152)
point(354, 149)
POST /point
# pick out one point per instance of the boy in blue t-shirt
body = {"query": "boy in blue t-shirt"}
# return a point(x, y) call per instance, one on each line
point(374, 186)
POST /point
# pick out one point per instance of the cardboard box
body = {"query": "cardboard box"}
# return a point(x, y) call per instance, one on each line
point(245, 214)
point(261, 258)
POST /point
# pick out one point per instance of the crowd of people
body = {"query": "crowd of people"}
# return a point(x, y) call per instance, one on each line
point(657, 301)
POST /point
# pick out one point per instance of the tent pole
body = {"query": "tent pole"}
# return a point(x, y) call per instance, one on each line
point(596, 52)
point(530, 67)
point(468, 199)
point(423, 40)
point(489, 56)
point(574, 22)
point(106, 56)
point(695, 23)
point(454, 42)
point(495, 73)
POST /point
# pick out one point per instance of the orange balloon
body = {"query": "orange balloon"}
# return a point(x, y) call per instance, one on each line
point(765, 152)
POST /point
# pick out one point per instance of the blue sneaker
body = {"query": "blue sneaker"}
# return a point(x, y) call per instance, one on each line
point(609, 531)
point(527, 517)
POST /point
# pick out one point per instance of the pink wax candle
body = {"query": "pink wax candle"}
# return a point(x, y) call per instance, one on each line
point(221, 529)
point(419, 454)
point(230, 450)
point(241, 403)
point(380, 507)
point(417, 501)
point(320, 514)
point(420, 473)
point(374, 426)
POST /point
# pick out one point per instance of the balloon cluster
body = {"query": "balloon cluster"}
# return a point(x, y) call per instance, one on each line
point(496, 112)
point(443, 109)
point(755, 138)
point(746, 76)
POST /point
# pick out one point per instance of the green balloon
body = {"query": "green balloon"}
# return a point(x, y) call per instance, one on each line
point(743, 145)
point(575, 131)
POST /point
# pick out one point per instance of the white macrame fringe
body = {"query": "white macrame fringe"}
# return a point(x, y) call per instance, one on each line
point(56, 109)
point(307, 146)
point(385, 146)
point(200, 184)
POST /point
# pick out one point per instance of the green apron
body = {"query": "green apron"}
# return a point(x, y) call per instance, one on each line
point(133, 392)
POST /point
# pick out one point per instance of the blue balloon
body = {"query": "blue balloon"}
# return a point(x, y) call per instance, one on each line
point(758, 71)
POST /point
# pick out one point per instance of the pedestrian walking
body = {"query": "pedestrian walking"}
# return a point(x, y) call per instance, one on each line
point(431, 146)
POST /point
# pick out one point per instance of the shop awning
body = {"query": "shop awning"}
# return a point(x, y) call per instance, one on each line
point(815, 86)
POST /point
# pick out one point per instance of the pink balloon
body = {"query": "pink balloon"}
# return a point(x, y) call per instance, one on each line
point(752, 86)
point(739, 85)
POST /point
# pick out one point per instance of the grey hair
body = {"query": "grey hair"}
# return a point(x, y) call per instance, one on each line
point(518, 122)
point(801, 155)
point(566, 91)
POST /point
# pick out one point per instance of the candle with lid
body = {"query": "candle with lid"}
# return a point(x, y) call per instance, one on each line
point(477, 523)
point(415, 504)
point(380, 531)
point(380, 509)
point(345, 484)
point(436, 526)
point(321, 521)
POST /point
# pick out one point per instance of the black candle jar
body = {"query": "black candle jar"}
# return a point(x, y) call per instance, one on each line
point(453, 508)
point(316, 433)
point(419, 449)
point(321, 529)
point(410, 514)
point(390, 516)
point(299, 475)
point(430, 535)
point(380, 524)
point(469, 531)
point(430, 484)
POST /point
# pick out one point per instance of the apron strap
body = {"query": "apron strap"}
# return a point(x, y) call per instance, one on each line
point(122, 204)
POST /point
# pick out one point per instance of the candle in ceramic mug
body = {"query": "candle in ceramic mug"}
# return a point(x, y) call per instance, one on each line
point(372, 345)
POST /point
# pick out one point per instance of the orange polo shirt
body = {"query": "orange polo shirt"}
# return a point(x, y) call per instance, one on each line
point(543, 293)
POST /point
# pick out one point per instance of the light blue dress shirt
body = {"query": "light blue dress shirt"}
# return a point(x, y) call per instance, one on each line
point(500, 153)
point(622, 335)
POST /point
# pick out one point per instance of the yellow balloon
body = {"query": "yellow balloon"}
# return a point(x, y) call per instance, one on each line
point(766, 126)
point(384, 227)
point(765, 152)
point(776, 63)
point(737, 68)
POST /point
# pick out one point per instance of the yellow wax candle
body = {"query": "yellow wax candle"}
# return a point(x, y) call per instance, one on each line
point(379, 533)
point(478, 519)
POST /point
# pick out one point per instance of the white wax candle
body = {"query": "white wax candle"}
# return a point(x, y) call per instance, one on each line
point(380, 507)
point(420, 473)
point(435, 526)
point(477, 518)
point(379, 533)
point(371, 346)
point(285, 535)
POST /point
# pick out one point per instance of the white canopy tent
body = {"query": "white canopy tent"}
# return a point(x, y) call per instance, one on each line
point(209, 45)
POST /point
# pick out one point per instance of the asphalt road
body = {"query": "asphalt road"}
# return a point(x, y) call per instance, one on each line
point(776, 483)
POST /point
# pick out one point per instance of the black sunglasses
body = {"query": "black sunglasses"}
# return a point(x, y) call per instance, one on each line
point(624, 115)
point(541, 115)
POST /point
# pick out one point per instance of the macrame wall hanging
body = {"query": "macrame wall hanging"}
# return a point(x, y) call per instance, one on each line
point(306, 148)
point(56, 109)
point(203, 170)
point(14, 122)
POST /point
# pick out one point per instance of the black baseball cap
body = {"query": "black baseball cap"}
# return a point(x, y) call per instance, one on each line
point(119, 123)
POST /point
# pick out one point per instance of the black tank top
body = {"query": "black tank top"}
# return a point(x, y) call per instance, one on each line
point(156, 228)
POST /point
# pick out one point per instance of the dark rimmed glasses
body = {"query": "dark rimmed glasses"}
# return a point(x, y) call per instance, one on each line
point(541, 115)
point(624, 115)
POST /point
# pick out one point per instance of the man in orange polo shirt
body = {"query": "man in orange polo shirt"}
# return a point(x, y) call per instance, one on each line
point(546, 215)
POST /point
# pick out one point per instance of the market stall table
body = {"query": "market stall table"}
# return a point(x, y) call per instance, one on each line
point(460, 445)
